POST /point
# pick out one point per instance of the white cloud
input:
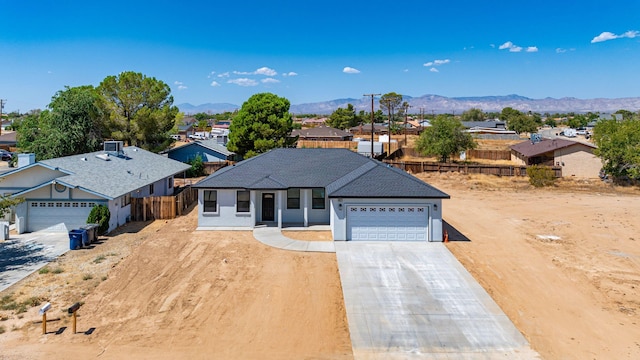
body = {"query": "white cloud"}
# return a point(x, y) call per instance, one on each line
point(215, 83)
point(434, 70)
point(181, 86)
point(350, 70)
point(270, 81)
point(493, 45)
point(436, 62)
point(532, 49)
point(290, 73)
point(243, 82)
point(266, 71)
point(211, 74)
point(605, 36)
point(511, 46)
point(560, 50)
point(224, 75)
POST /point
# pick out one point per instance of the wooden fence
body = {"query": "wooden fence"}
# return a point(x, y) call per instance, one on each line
point(211, 167)
point(351, 145)
point(489, 154)
point(499, 170)
point(162, 207)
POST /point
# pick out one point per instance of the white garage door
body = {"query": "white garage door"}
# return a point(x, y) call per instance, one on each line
point(57, 215)
point(388, 223)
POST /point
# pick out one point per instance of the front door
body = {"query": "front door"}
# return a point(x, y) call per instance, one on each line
point(268, 205)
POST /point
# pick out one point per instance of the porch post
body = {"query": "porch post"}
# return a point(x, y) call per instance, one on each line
point(305, 204)
point(280, 193)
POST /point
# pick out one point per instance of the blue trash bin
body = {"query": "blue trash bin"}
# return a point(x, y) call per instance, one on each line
point(85, 237)
point(75, 239)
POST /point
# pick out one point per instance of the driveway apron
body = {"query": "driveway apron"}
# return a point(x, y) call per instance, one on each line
point(408, 300)
point(23, 254)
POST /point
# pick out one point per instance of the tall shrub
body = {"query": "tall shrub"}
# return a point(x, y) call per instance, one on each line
point(100, 215)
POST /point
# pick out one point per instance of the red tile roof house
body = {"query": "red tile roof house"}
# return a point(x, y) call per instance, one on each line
point(360, 198)
point(576, 158)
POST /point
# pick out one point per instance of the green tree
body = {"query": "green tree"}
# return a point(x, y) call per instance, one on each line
point(473, 114)
point(139, 110)
point(100, 215)
point(262, 123)
point(390, 102)
point(522, 124)
point(343, 118)
point(619, 147)
point(6, 202)
point(508, 112)
point(71, 125)
point(445, 137)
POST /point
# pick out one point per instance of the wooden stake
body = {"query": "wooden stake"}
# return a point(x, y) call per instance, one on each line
point(44, 323)
point(74, 322)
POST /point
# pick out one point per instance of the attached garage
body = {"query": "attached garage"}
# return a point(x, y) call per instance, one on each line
point(57, 215)
point(387, 223)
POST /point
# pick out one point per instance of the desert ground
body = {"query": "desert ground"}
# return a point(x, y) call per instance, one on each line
point(563, 263)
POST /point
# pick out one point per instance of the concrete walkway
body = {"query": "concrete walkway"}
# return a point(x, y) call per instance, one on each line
point(24, 254)
point(272, 236)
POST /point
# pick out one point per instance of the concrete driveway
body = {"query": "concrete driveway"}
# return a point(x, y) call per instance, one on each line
point(23, 254)
point(408, 300)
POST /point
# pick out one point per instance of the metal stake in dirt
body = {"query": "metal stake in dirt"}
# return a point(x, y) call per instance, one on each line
point(43, 312)
point(72, 310)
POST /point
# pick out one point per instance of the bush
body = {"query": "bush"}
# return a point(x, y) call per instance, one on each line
point(100, 215)
point(197, 167)
point(540, 176)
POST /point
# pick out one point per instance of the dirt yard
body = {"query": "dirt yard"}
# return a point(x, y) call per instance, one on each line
point(185, 294)
point(563, 263)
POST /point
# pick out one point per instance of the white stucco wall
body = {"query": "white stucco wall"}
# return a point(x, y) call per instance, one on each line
point(226, 217)
point(27, 178)
point(339, 219)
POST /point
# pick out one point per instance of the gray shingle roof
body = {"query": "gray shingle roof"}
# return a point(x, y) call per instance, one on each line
point(341, 172)
point(117, 176)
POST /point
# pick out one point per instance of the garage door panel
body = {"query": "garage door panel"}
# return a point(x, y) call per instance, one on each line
point(387, 223)
point(57, 215)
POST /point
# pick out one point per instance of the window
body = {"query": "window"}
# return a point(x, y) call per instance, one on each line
point(170, 183)
point(126, 200)
point(242, 201)
point(293, 199)
point(210, 201)
point(317, 198)
point(151, 189)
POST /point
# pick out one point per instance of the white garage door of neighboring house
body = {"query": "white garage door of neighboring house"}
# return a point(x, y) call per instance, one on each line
point(388, 223)
point(57, 215)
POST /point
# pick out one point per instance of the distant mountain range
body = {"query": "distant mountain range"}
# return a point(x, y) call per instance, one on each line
point(441, 104)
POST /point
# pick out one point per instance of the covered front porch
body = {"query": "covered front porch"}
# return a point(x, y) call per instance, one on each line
point(292, 208)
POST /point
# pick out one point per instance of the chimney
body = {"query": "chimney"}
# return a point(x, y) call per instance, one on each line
point(26, 159)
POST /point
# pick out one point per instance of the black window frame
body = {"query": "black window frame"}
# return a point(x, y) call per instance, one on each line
point(293, 202)
point(317, 202)
point(208, 204)
point(246, 204)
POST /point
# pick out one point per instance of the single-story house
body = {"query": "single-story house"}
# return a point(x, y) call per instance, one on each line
point(364, 129)
point(322, 133)
point(487, 124)
point(360, 198)
point(208, 150)
point(575, 158)
point(60, 193)
point(185, 130)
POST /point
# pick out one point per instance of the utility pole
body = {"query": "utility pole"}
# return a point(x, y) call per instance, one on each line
point(2, 102)
point(406, 115)
point(372, 127)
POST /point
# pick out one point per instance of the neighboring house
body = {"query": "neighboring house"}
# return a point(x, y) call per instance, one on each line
point(575, 158)
point(60, 193)
point(322, 133)
point(185, 131)
point(366, 129)
point(208, 150)
point(488, 124)
point(8, 140)
point(360, 198)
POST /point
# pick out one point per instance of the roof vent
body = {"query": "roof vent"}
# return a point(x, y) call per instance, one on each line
point(83, 158)
point(104, 157)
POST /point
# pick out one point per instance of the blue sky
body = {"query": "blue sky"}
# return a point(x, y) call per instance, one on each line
point(310, 51)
